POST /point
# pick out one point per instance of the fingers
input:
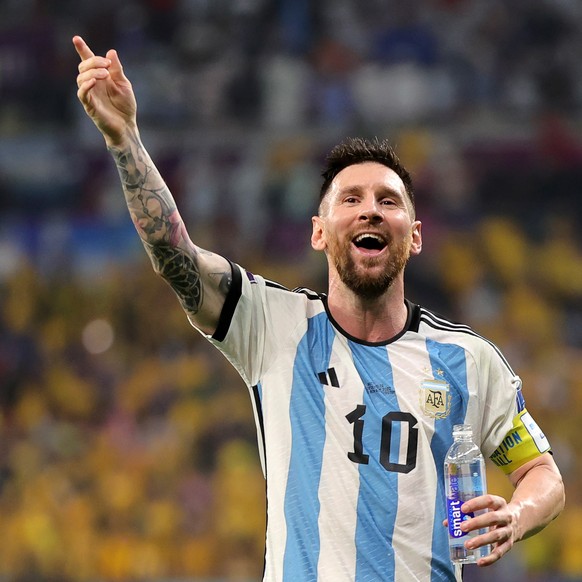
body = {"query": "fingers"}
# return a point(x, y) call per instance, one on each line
point(491, 502)
point(91, 67)
point(116, 69)
point(82, 48)
point(97, 71)
point(84, 91)
point(496, 554)
point(96, 67)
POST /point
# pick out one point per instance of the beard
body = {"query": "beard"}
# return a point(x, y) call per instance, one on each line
point(361, 279)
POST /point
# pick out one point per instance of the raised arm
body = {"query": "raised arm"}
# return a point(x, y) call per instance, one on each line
point(200, 279)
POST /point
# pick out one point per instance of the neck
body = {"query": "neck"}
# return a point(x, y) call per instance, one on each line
point(371, 320)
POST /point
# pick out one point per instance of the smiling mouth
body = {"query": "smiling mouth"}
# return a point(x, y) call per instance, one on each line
point(370, 244)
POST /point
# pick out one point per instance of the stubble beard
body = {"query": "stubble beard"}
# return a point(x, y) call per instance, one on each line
point(361, 280)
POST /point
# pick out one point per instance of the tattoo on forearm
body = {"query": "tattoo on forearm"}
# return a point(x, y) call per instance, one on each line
point(158, 223)
point(149, 201)
point(181, 271)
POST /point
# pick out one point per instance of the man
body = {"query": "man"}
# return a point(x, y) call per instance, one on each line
point(355, 392)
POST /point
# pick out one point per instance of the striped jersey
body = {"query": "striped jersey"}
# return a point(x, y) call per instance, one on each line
point(352, 435)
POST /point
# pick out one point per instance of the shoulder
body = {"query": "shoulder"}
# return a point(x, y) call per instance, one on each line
point(257, 289)
point(442, 329)
point(261, 307)
point(250, 278)
point(433, 323)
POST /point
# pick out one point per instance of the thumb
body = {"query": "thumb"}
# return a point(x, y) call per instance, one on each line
point(116, 69)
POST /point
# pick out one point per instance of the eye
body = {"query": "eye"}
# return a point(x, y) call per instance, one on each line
point(388, 202)
point(351, 199)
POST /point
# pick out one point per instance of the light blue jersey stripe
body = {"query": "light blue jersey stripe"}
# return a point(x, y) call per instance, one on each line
point(448, 363)
point(376, 512)
point(307, 414)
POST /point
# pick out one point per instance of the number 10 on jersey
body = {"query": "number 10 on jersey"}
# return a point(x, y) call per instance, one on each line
point(388, 435)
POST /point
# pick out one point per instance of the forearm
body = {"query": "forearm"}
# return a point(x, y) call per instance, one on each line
point(200, 279)
point(537, 500)
point(158, 222)
point(149, 201)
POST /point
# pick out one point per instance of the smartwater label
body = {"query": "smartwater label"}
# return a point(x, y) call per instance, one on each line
point(456, 517)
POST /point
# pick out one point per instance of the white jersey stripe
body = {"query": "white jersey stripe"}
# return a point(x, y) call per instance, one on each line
point(338, 490)
point(277, 453)
point(410, 508)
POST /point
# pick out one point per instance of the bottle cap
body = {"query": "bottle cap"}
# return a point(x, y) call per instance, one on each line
point(462, 430)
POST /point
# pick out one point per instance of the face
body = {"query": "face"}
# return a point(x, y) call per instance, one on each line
point(366, 226)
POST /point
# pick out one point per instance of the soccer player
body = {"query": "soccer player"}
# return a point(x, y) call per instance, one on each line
point(355, 391)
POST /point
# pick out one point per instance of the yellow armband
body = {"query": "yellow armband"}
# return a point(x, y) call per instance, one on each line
point(524, 442)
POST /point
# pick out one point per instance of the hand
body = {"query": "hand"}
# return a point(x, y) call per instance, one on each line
point(501, 522)
point(106, 93)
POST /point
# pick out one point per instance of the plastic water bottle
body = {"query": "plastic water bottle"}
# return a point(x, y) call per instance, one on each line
point(464, 479)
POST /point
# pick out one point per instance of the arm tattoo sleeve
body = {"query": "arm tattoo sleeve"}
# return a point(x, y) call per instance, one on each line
point(156, 218)
point(182, 273)
point(149, 201)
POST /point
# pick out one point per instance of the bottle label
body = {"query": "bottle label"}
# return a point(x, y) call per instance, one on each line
point(455, 515)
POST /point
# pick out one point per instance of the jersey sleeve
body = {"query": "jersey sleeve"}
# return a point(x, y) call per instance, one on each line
point(511, 435)
point(255, 321)
point(523, 442)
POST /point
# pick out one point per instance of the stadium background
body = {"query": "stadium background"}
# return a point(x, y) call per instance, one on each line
point(127, 449)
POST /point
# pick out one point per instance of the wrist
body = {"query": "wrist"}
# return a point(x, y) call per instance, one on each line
point(123, 139)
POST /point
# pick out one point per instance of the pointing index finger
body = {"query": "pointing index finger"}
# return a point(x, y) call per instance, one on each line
point(82, 48)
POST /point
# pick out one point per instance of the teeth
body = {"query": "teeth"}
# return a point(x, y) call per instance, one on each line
point(363, 236)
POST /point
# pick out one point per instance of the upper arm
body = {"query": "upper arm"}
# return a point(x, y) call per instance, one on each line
point(200, 279)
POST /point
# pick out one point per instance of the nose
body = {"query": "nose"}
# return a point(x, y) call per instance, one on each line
point(370, 211)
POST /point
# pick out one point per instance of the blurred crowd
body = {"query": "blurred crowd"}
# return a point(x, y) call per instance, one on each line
point(127, 444)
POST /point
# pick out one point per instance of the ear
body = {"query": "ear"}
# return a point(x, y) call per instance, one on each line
point(416, 234)
point(318, 234)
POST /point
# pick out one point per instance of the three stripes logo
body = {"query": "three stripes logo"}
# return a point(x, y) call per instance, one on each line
point(329, 378)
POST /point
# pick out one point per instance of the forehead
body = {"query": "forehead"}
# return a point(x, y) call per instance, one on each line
point(367, 176)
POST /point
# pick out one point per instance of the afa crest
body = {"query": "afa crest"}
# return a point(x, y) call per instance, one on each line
point(435, 398)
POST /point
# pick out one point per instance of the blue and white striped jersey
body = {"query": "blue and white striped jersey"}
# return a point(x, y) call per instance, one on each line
point(353, 435)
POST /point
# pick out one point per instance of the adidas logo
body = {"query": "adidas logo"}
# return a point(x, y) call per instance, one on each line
point(329, 378)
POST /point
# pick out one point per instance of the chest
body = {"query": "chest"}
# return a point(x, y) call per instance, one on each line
point(427, 378)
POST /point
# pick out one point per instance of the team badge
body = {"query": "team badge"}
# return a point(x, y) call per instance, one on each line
point(435, 398)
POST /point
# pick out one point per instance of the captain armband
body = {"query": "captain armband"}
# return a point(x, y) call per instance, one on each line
point(524, 442)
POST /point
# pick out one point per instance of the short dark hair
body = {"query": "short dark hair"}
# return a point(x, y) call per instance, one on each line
point(357, 150)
